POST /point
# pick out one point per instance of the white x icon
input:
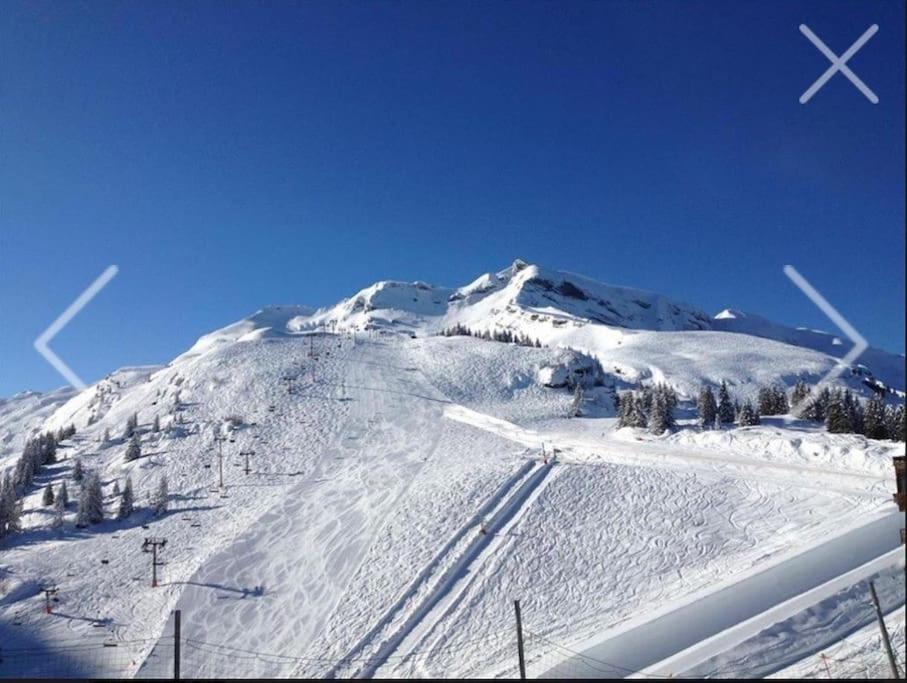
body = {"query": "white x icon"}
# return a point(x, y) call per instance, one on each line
point(838, 64)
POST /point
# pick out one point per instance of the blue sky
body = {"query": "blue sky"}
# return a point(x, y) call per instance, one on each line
point(230, 155)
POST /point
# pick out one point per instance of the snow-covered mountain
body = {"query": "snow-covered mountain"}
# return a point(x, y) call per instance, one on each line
point(636, 335)
point(400, 491)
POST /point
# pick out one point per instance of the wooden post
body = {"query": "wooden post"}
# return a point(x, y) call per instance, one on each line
point(176, 645)
point(519, 640)
point(885, 640)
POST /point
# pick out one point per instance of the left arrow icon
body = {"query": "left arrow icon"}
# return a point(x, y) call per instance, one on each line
point(81, 301)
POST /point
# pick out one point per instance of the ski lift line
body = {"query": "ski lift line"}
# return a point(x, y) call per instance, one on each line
point(216, 648)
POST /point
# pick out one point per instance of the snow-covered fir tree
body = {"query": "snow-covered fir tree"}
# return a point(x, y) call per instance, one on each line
point(837, 415)
point(725, 406)
point(78, 472)
point(91, 501)
point(63, 495)
point(127, 500)
point(659, 410)
point(708, 408)
point(799, 394)
point(576, 406)
point(131, 425)
point(156, 425)
point(161, 497)
point(59, 512)
point(748, 416)
point(48, 498)
point(875, 425)
point(133, 449)
point(10, 507)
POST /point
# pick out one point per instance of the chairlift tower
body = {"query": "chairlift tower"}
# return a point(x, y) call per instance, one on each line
point(150, 545)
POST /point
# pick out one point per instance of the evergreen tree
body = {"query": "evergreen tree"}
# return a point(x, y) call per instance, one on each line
point(799, 394)
point(837, 418)
point(156, 425)
point(161, 497)
point(725, 407)
point(896, 425)
point(874, 423)
point(127, 500)
point(106, 438)
point(10, 507)
point(658, 414)
point(63, 495)
point(748, 416)
point(854, 412)
point(59, 511)
point(134, 449)
point(77, 472)
point(576, 407)
point(116, 488)
point(766, 401)
point(708, 408)
point(48, 497)
point(91, 501)
point(131, 425)
point(624, 406)
point(814, 408)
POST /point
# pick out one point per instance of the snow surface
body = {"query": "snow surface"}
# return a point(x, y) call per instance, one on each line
point(355, 546)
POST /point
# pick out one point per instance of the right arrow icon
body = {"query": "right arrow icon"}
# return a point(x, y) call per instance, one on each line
point(859, 343)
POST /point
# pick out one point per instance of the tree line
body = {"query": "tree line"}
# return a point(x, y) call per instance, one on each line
point(505, 336)
point(842, 411)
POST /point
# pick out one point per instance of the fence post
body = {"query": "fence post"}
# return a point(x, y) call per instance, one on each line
point(176, 645)
point(519, 639)
point(885, 640)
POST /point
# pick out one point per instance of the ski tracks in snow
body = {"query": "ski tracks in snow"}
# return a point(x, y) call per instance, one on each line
point(435, 591)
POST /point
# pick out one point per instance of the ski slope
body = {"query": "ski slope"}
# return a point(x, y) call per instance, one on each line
point(354, 547)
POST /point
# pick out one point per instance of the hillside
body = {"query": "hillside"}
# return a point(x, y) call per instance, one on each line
point(400, 491)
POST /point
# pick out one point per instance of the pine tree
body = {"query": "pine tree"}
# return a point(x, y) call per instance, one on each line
point(895, 421)
point(658, 414)
point(10, 507)
point(106, 438)
point(874, 424)
point(131, 425)
point(576, 407)
point(156, 425)
point(748, 416)
point(623, 404)
point(116, 488)
point(725, 407)
point(161, 496)
point(63, 495)
point(799, 394)
point(708, 409)
point(782, 407)
point(766, 401)
point(837, 419)
point(77, 472)
point(134, 449)
point(854, 412)
point(127, 500)
point(91, 501)
point(48, 497)
point(59, 511)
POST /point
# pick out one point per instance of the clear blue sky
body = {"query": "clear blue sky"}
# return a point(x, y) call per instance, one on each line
point(234, 154)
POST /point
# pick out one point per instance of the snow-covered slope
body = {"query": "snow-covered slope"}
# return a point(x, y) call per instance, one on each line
point(355, 544)
point(24, 414)
point(885, 366)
